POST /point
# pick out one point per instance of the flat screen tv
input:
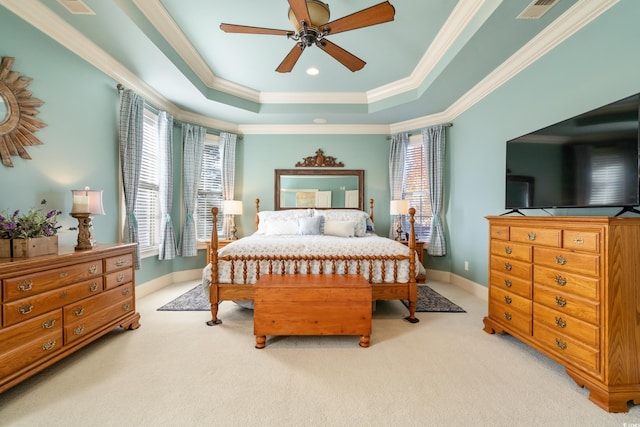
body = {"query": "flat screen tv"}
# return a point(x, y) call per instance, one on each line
point(590, 160)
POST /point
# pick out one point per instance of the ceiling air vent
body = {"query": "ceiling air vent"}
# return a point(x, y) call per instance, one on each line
point(76, 7)
point(536, 9)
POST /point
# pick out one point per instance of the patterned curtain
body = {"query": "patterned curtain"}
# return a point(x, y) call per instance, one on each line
point(193, 146)
point(433, 139)
point(167, 249)
point(397, 156)
point(130, 147)
point(228, 154)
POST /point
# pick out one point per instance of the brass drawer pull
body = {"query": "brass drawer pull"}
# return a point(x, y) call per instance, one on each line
point(561, 302)
point(507, 299)
point(63, 275)
point(25, 286)
point(578, 241)
point(93, 268)
point(49, 345)
point(508, 250)
point(560, 322)
point(561, 260)
point(48, 324)
point(531, 235)
point(93, 287)
point(25, 308)
point(78, 311)
point(78, 330)
point(561, 344)
point(120, 278)
point(507, 315)
point(63, 294)
point(126, 307)
point(507, 266)
point(560, 281)
point(125, 291)
point(119, 262)
point(508, 283)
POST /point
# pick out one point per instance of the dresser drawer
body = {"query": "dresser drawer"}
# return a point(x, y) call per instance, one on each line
point(509, 283)
point(575, 284)
point(578, 262)
point(88, 325)
point(583, 332)
point(512, 268)
point(500, 232)
point(118, 278)
point(510, 301)
point(118, 262)
point(511, 319)
point(30, 352)
point(566, 304)
point(23, 286)
point(27, 308)
point(567, 348)
point(90, 306)
point(511, 250)
point(538, 236)
point(30, 330)
point(588, 241)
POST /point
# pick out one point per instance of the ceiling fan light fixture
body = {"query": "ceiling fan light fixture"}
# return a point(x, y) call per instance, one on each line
point(318, 12)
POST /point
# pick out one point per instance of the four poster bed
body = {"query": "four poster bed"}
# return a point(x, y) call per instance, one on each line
point(312, 241)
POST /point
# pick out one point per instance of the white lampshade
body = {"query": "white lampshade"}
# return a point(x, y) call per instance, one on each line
point(87, 201)
point(232, 207)
point(399, 207)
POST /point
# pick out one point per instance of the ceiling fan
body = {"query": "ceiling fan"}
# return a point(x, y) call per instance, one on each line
point(310, 18)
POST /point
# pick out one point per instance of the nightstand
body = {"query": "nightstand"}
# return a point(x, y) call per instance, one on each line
point(221, 244)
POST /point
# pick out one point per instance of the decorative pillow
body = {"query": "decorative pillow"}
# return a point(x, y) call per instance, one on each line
point(274, 227)
point(310, 226)
point(370, 227)
point(288, 214)
point(339, 228)
point(358, 217)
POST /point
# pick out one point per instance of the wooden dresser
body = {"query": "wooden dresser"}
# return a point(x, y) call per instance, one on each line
point(570, 287)
point(54, 305)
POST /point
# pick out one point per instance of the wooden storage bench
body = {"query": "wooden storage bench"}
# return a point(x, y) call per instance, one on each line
point(312, 304)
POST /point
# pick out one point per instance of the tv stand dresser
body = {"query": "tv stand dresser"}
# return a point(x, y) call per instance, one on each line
point(53, 305)
point(570, 288)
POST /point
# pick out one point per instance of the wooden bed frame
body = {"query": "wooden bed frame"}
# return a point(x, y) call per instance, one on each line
point(219, 292)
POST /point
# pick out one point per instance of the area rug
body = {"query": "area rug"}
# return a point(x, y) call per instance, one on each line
point(428, 300)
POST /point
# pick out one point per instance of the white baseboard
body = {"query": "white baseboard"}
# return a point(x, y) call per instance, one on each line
point(168, 279)
point(465, 284)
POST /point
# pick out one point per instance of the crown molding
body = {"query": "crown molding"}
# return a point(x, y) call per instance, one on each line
point(314, 129)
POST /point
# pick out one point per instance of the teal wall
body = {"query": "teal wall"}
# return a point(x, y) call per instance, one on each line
point(597, 65)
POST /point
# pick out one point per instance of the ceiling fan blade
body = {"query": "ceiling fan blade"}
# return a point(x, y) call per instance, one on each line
point(347, 59)
point(231, 28)
point(300, 10)
point(290, 60)
point(378, 14)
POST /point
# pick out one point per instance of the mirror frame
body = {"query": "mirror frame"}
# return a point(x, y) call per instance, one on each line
point(359, 173)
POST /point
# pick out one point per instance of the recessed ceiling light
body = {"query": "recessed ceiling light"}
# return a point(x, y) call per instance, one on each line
point(319, 121)
point(313, 71)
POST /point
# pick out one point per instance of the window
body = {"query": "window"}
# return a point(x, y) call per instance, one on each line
point(415, 188)
point(147, 208)
point(209, 189)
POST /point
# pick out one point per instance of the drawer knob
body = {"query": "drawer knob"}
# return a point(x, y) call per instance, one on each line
point(560, 260)
point(78, 330)
point(561, 302)
point(49, 345)
point(63, 275)
point(126, 307)
point(79, 311)
point(560, 322)
point(119, 262)
point(561, 344)
point(25, 286)
point(578, 241)
point(25, 308)
point(93, 268)
point(507, 315)
point(507, 299)
point(508, 250)
point(93, 287)
point(120, 278)
point(560, 281)
point(508, 283)
point(507, 266)
point(48, 324)
point(531, 236)
point(125, 291)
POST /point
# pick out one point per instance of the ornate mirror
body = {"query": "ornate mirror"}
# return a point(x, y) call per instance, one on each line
point(313, 188)
point(17, 114)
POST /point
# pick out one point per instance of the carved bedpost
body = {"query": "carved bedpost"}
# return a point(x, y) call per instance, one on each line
point(413, 286)
point(371, 210)
point(213, 289)
point(257, 211)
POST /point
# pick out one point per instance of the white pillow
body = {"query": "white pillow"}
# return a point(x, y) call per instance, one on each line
point(339, 228)
point(311, 226)
point(287, 214)
point(275, 227)
point(358, 217)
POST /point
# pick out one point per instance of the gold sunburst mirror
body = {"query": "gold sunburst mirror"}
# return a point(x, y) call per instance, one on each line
point(17, 114)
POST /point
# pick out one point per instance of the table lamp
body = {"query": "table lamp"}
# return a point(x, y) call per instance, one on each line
point(232, 207)
point(86, 203)
point(399, 208)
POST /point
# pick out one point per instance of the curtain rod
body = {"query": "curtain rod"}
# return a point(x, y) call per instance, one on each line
point(177, 122)
point(447, 125)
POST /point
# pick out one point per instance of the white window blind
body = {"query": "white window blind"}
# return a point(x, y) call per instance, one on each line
point(416, 191)
point(147, 208)
point(209, 190)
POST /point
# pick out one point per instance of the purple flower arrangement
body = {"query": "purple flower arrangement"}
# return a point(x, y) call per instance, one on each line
point(35, 223)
